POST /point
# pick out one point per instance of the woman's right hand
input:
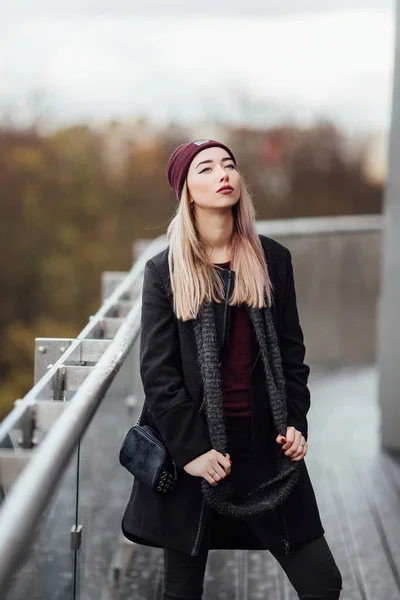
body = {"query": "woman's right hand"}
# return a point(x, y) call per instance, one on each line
point(204, 465)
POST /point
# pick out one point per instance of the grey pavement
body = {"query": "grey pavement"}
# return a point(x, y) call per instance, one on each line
point(357, 486)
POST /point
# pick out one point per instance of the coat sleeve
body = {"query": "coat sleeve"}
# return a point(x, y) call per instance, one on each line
point(296, 372)
point(176, 415)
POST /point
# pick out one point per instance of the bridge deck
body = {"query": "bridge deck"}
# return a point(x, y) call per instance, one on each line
point(358, 491)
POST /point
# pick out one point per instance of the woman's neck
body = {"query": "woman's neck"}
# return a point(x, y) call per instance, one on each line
point(215, 230)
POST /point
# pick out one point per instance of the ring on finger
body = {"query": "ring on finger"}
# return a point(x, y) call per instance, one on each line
point(299, 451)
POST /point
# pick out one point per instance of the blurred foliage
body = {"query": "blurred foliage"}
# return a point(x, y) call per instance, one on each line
point(73, 201)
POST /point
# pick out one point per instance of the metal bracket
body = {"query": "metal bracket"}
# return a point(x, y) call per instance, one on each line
point(76, 537)
point(59, 384)
point(48, 352)
point(26, 436)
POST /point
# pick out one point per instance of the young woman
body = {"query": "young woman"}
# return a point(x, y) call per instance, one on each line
point(221, 360)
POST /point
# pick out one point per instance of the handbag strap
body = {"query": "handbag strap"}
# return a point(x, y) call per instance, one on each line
point(140, 416)
point(173, 462)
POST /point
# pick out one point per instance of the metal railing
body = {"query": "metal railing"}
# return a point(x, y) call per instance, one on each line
point(30, 471)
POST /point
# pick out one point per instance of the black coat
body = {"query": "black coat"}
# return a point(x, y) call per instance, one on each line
point(173, 386)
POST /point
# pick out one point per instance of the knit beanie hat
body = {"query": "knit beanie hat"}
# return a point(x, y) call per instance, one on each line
point(179, 162)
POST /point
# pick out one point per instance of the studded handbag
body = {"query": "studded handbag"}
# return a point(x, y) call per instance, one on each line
point(145, 456)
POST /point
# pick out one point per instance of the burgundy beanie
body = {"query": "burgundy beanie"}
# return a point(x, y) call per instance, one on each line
point(179, 162)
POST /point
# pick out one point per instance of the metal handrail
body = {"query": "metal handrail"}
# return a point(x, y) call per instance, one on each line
point(32, 491)
point(14, 417)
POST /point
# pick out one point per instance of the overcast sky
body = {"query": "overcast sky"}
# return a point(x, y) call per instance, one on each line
point(78, 8)
point(298, 59)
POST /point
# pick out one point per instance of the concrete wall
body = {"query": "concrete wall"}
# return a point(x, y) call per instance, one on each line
point(336, 264)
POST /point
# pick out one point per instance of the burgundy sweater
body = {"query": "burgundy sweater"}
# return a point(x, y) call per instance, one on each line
point(235, 369)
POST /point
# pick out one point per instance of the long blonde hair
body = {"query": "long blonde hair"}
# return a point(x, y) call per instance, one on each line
point(194, 278)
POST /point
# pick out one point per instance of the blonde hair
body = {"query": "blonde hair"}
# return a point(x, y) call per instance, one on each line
point(194, 278)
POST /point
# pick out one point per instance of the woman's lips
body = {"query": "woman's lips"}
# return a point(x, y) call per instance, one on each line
point(225, 191)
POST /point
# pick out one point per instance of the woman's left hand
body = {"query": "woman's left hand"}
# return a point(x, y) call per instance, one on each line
point(292, 444)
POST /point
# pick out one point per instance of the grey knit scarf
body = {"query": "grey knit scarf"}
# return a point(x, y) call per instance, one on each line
point(270, 493)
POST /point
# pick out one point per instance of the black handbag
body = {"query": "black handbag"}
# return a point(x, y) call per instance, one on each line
point(145, 456)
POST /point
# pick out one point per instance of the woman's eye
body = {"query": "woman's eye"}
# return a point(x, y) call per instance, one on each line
point(233, 166)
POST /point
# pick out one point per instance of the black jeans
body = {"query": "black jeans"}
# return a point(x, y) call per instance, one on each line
point(311, 570)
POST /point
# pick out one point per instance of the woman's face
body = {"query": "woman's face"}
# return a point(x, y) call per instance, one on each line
point(210, 170)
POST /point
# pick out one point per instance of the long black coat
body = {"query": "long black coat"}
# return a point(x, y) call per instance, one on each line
point(173, 387)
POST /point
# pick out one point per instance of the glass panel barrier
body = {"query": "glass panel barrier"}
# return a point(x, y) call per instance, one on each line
point(104, 487)
point(47, 569)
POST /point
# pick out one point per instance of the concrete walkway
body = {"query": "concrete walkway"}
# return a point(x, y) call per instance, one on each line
point(357, 486)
